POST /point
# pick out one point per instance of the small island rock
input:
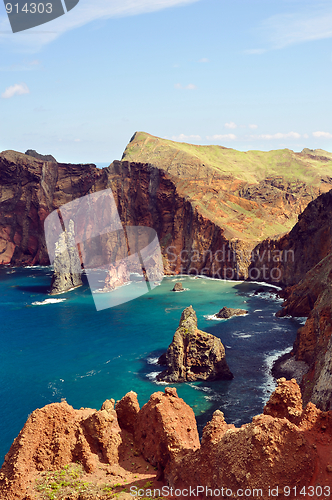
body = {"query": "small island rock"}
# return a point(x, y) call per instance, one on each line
point(177, 287)
point(228, 312)
point(194, 354)
point(67, 264)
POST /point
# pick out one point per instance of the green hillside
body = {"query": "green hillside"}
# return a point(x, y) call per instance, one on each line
point(183, 159)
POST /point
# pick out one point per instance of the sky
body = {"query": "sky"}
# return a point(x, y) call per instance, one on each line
point(245, 74)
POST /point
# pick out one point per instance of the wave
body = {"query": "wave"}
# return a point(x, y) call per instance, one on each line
point(153, 378)
point(90, 373)
point(152, 361)
point(213, 317)
point(47, 301)
point(269, 386)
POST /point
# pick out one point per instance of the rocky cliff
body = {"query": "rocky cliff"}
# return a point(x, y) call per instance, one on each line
point(30, 189)
point(210, 206)
point(292, 255)
point(87, 454)
point(194, 354)
point(313, 345)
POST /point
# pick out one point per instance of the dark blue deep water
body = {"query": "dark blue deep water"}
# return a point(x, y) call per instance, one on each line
point(64, 348)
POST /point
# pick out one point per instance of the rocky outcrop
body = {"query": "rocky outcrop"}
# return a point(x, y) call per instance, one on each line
point(117, 276)
point(229, 312)
point(67, 265)
point(286, 447)
point(166, 429)
point(127, 410)
point(177, 287)
point(194, 354)
point(55, 436)
point(34, 154)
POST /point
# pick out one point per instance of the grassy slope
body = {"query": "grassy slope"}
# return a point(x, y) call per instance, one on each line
point(212, 176)
point(250, 166)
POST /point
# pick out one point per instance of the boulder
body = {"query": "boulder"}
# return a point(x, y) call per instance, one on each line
point(228, 312)
point(177, 287)
point(194, 354)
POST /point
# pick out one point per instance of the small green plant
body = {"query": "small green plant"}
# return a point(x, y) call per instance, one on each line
point(62, 483)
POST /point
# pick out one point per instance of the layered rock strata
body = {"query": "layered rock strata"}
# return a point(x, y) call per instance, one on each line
point(194, 354)
point(288, 447)
point(313, 345)
point(287, 259)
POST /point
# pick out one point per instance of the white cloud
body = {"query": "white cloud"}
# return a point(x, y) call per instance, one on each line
point(255, 51)
point(230, 125)
point(326, 135)
point(203, 60)
point(313, 23)
point(85, 12)
point(222, 137)
point(252, 125)
point(278, 135)
point(29, 66)
point(17, 89)
point(183, 137)
point(191, 86)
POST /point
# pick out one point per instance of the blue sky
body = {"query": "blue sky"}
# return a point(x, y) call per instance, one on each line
point(245, 74)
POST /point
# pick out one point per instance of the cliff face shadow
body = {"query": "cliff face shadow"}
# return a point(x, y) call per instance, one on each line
point(41, 289)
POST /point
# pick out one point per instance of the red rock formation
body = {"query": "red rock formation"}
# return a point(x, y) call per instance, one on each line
point(55, 436)
point(127, 410)
point(166, 428)
point(287, 447)
point(270, 452)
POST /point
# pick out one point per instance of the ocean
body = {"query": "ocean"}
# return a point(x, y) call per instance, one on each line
point(61, 347)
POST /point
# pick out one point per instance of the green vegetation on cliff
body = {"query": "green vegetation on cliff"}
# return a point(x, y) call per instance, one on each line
point(252, 195)
point(251, 166)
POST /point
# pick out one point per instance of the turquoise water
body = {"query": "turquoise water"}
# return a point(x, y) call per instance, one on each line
point(64, 348)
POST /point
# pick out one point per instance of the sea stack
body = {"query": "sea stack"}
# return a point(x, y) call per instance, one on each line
point(228, 312)
point(67, 265)
point(178, 287)
point(194, 354)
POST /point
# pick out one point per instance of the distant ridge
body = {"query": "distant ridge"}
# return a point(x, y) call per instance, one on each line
point(38, 156)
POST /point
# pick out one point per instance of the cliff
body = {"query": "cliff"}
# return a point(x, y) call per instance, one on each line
point(194, 354)
point(209, 205)
point(89, 454)
point(292, 255)
point(313, 344)
point(30, 189)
